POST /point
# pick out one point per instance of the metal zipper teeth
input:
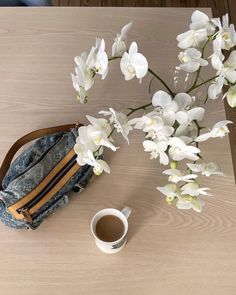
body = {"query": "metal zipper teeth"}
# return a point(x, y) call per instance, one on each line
point(50, 185)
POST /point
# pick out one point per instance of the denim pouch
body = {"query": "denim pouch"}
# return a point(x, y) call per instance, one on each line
point(37, 182)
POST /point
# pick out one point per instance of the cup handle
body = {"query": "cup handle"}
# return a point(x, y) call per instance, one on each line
point(126, 211)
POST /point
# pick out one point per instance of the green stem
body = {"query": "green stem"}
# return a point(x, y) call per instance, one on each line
point(113, 58)
point(143, 107)
point(162, 81)
point(198, 85)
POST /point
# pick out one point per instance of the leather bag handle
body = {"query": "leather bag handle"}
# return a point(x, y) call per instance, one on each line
point(27, 138)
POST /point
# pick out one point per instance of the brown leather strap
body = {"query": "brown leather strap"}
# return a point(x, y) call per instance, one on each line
point(27, 138)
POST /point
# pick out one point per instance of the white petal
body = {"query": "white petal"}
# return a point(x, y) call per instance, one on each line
point(203, 137)
point(222, 124)
point(149, 145)
point(140, 64)
point(164, 159)
point(125, 30)
point(161, 98)
point(199, 16)
point(183, 100)
point(133, 48)
point(196, 114)
point(182, 117)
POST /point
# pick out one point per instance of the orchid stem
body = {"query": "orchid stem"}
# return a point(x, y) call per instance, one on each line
point(162, 81)
point(143, 107)
point(113, 58)
point(198, 85)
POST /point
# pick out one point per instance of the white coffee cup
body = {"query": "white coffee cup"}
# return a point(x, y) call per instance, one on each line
point(117, 245)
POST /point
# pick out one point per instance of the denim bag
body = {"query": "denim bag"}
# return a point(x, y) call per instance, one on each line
point(36, 183)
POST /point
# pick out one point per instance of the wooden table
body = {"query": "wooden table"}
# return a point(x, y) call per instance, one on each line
point(169, 251)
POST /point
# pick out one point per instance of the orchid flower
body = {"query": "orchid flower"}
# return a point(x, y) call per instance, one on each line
point(206, 169)
point(133, 63)
point(99, 165)
point(157, 149)
point(192, 38)
point(171, 192)
point(215, 89)
point(201, 21)
point(153, 125)
point(193, 189)
point(226, 33)
point(119, 46)
point(191, 60)
point(179, 150)
point(164, 104)
point(120, 121)
point(176, 175)
point(87, 66)
point(97, 136)
point(228, 68)
point(231, 96)
point(187, 202)
point(220, 129)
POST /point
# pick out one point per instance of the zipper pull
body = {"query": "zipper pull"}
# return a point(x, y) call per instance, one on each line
point(25, 213)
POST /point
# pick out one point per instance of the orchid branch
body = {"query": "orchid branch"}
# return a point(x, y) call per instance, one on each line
point(162, 81)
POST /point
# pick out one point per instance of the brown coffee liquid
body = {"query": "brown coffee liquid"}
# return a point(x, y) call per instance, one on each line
point(109, 228)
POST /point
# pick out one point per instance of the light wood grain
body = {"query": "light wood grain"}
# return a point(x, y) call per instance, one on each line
point(169, 251)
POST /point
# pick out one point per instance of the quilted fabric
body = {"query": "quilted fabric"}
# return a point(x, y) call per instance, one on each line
point(30, 168)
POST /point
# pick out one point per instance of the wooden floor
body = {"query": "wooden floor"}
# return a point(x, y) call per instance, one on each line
point(219, 7)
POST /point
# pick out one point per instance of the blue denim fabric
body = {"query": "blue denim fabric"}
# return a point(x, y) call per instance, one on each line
point(30, 168)
point(25, 3)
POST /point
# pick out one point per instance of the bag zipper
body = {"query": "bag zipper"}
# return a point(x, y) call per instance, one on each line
point(24, 210)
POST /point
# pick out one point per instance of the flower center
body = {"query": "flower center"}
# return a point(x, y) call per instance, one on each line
point(226, 36)
point(97, 139)
point(131, 69)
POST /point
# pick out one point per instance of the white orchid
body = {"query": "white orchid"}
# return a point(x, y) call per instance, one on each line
point(96, 136)
point(157, 149)
point(201, 21)
point(191, 60)
point(217, 57)
point(119, 46)
point(99, 165)
point(164, 104)
point(171, 191)
point(193, 189)
point(187, 202)
point(133, 63)
point(186, 119)
point(192, 38)
point(97, 61)
point(150, 121)
point(226, 33)
point(100, 124)
point(81, 149)
point(228, 68)
point(120, 121)
point(172, 127)
point(231, 96)
point(83, 80)
point(179, 150)
point(220, 129)
point(206, 169)
point(87, 66)
point(215, 89)
point(153, 125)
point(176, 175)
